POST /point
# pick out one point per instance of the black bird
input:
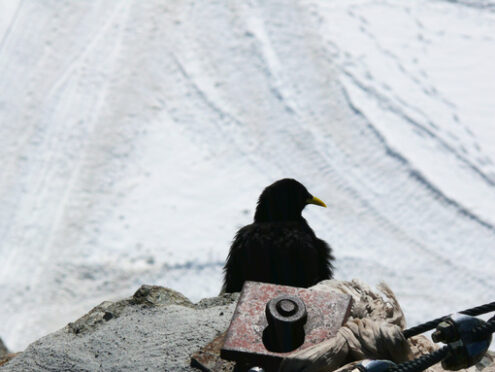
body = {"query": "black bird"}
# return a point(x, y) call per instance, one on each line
point(279, 247)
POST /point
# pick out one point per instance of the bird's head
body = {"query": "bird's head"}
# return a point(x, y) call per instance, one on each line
point(284, 200)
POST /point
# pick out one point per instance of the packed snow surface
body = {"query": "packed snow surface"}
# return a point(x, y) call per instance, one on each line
point(137, 135)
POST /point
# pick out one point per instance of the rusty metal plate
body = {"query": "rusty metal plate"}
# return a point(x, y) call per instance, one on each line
point(327, 312)
point(208, 358)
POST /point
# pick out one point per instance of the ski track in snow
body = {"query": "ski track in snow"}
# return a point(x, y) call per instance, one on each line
point(137, 137)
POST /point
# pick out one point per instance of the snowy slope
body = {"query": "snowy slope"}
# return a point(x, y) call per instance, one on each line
point(137, 136)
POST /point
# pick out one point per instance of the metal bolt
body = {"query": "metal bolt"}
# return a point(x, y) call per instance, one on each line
point(287, 307)
point(286, 316)
point(437, 336)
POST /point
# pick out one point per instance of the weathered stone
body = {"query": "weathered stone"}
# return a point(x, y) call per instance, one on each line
point(7, 357)
point(221, 300)
point(156, 295)
point(146, 295)
point(155, 330)
point(3, 349)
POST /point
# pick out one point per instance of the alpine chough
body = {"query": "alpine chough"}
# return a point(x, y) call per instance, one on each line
point(279, 247)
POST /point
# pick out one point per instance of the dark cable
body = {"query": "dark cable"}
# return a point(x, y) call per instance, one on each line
point(426, 361)
point(421, 328)
point(423, 362)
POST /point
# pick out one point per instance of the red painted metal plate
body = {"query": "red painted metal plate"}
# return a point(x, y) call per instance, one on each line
point(327, 312)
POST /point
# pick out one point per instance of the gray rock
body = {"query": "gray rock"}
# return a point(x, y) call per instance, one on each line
point(3, 349)
point(155, 330)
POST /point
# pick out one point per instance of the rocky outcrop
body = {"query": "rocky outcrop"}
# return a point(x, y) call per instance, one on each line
point(157, 329)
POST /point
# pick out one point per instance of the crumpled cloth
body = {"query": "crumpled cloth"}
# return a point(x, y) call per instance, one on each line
point(373, 331)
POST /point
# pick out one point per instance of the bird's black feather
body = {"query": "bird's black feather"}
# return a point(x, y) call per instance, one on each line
point(279, 247)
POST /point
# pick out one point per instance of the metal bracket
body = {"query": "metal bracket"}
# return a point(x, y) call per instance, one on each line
point(246, 339)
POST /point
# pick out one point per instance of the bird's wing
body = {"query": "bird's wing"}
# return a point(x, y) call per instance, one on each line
point(326, 258)
point(235, 267)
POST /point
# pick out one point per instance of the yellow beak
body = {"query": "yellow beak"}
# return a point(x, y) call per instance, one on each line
point(316, 201)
